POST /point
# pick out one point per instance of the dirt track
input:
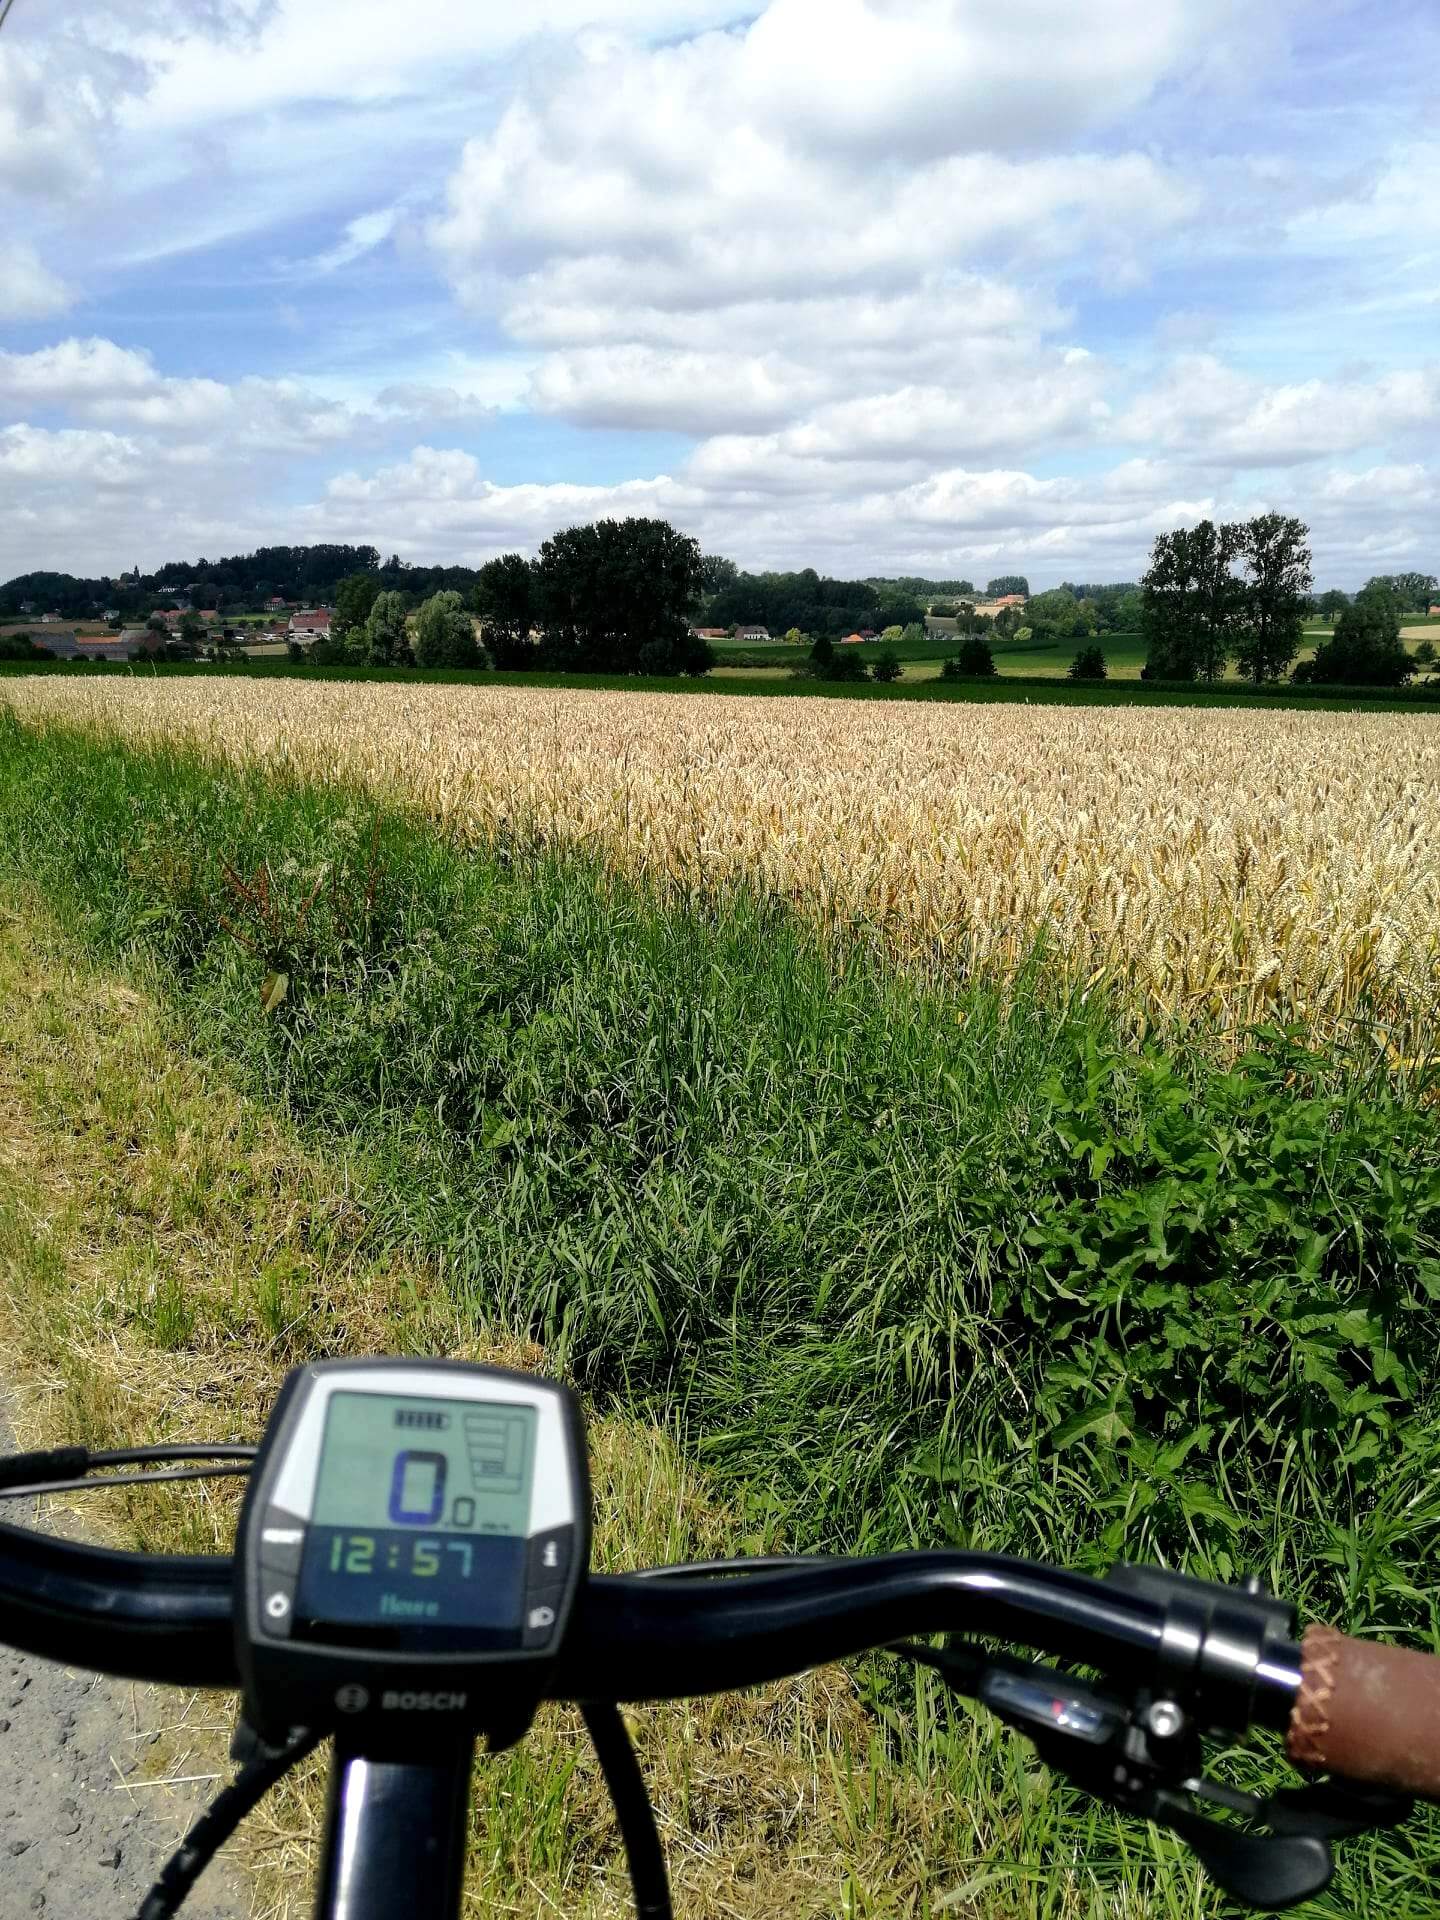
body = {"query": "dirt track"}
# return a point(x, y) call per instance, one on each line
point(85, 1824)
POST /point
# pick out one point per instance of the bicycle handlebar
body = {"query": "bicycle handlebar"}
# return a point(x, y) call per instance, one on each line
point(1370, 1713)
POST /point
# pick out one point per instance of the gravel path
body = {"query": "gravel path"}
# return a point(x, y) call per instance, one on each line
point(84, 1825)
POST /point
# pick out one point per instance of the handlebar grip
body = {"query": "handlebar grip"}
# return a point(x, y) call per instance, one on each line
point(1367, 1711)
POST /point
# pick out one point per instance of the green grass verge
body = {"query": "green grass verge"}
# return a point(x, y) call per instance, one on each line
point(900, 1265)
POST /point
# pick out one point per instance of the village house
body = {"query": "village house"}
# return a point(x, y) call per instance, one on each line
point(752, 634)
point(310, 626)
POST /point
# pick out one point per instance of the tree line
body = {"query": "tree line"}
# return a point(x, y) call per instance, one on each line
point(240, 583)
point(615, 596)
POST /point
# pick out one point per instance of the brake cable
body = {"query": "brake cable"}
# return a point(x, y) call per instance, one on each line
point(219, 1821)
point(69, 1469)
point(634, 1812)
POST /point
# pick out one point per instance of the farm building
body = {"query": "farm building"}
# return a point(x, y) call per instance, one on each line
point(65, 644)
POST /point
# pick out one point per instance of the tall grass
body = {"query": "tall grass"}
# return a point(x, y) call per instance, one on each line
point(900, 1265)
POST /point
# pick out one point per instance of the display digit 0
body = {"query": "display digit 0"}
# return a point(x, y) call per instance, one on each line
point(417, 1488)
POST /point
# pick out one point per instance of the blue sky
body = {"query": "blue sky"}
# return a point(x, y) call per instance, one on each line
point(874, 285)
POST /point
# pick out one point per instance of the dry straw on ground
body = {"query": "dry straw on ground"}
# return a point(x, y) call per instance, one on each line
point(1225, 864)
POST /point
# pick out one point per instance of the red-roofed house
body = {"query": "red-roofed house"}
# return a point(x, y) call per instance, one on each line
point(314, 625)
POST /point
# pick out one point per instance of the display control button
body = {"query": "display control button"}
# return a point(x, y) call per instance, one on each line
point(276, 1605)
point(550, 1557)
point(282, 1535)
point(542, 1610)
point(280, 1549)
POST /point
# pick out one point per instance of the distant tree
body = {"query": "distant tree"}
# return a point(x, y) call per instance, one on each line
point(1425, 654)
point(891, 634)
point(1193, 601)
point(1413, 591)
point(885, 666)
point(915, 633)
point(1365, 649)
point(973, 660)
point(1089, 664)
point(445, 633)
point(967, 620)
point(354, 597)
point(192, 629)
point(804, 600)
point(505, 601)
point(1056, 616)
point(1006, 624)
point(895, 606)
point(794, 637)
point(822, 655)
point(1007, 583)
point(717, 573)
point(1332, 603)
point(609, 590)
point(386, 631)
point(1275, 550)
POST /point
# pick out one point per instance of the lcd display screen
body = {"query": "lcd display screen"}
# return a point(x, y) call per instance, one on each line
point(420, 1518)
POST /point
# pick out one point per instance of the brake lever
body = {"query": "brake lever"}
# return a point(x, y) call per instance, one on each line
point(1143, 1756)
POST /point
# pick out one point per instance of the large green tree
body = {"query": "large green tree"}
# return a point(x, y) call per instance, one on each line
point(1365, 649)
point(386, 632)
point(1332, 603)
point(1192, 601)
point(445, 633)
point(354, 597)
point(505, 600)
point(615, 597)
point(1276, 553)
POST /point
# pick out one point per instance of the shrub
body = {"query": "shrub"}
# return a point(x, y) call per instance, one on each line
point(846, 665)
point(974, 661)
point(886, 666)
point(685, 654)
point(1089, 664)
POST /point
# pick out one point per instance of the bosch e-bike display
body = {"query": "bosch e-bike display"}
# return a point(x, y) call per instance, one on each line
point(409, 1522)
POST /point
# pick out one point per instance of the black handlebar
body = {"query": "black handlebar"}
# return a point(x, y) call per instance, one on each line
point(632, 1638)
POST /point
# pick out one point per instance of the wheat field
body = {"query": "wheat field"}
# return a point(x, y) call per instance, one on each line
point(1229, 866)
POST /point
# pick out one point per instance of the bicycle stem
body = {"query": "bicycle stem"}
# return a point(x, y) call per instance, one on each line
point(395, 1836)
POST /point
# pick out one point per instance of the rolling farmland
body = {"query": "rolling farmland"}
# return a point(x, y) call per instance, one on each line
point(1222, 867)
point(1011, 1126)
